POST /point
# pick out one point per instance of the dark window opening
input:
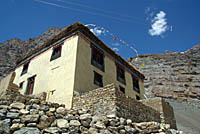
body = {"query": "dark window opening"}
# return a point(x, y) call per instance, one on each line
point(122, 89)
point(56, 52)
point(97, 59)
point(137, 97)
point(25, 68)
point(21, 84)
point(98, 79)
point(136, 86)
point(30, 85)
point(121, 74)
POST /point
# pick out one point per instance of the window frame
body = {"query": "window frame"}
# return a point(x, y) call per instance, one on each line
point(21, 85)
point(25, 68)
point(98, 79)
point(120, 71)
point(136, 85)
point(97, 58)
point(56, 52)
point(122, 89)
point(137, 97)
point(28, 85)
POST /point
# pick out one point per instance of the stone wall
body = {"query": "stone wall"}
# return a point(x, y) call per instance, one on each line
point(135, 110)
point(101, 100)
point(110, 101)
point(168, 114)
point(21, 114)
point(166, 110)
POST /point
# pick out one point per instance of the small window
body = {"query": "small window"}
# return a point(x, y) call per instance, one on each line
point(136, 84)
point(30, 85)
point(98, 79)
point(137, 97)
point(122, 89)
point(25, 68)
point(97, 58)
point(56, 52)
point(121, 74)
point(21, 85)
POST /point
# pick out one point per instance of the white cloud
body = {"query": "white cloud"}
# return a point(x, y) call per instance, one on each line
point(115, 49)
point(98, 31)
point(159, 24)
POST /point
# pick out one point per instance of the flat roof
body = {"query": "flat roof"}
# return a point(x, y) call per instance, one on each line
point(86, 31)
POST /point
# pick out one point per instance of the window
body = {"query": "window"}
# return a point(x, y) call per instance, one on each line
point(121, 74)
point(122, 89)
point(136, 84)
point(56, 52)
point(30, 85)
point(25, 68)
point(97, 59)
point(21, 84)
point(137, 97)
point(98, 79)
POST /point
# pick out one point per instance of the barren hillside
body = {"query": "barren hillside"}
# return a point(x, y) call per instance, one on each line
point(172, 75)
point(15, 48)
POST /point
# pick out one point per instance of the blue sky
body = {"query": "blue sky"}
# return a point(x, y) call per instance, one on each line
point(149, 26)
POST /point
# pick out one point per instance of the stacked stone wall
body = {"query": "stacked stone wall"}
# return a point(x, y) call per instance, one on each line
point(168, 113)
point(109, 100)
point(160, 105)
point(21, 114)
point(135, 110)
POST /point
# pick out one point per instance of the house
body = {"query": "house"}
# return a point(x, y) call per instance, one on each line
point(75, 60)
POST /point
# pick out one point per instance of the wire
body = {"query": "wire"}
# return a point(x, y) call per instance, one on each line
point(83, 11)
point(99, 9)
point(79, 10)
point(117, 38)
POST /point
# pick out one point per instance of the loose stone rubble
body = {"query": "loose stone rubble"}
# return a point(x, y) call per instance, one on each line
point(35, 116)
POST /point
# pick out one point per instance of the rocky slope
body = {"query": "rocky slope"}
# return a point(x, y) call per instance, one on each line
point(172, 75)
point(15, 48)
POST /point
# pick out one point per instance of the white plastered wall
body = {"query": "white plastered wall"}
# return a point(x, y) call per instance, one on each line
point(55, 75)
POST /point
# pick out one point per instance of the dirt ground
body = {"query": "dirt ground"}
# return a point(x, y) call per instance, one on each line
point(187, 116)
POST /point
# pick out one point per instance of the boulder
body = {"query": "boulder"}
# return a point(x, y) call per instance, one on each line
point(99, 125)
point(16, 126)
point(28, 130)
point(53, 130)
point(30, 118)
point(61, 110)
point(5, 126)
point(62, 123)
point(17, 105)
point(74, 123)
point(24, 111)
point(85, 116)
point(12, 115)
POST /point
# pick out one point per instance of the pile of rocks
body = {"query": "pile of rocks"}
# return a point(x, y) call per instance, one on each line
point(36, 116)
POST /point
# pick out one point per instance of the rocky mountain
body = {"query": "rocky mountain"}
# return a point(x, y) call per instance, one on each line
point(194, 51)
point(15, 48)
point(171, 75)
